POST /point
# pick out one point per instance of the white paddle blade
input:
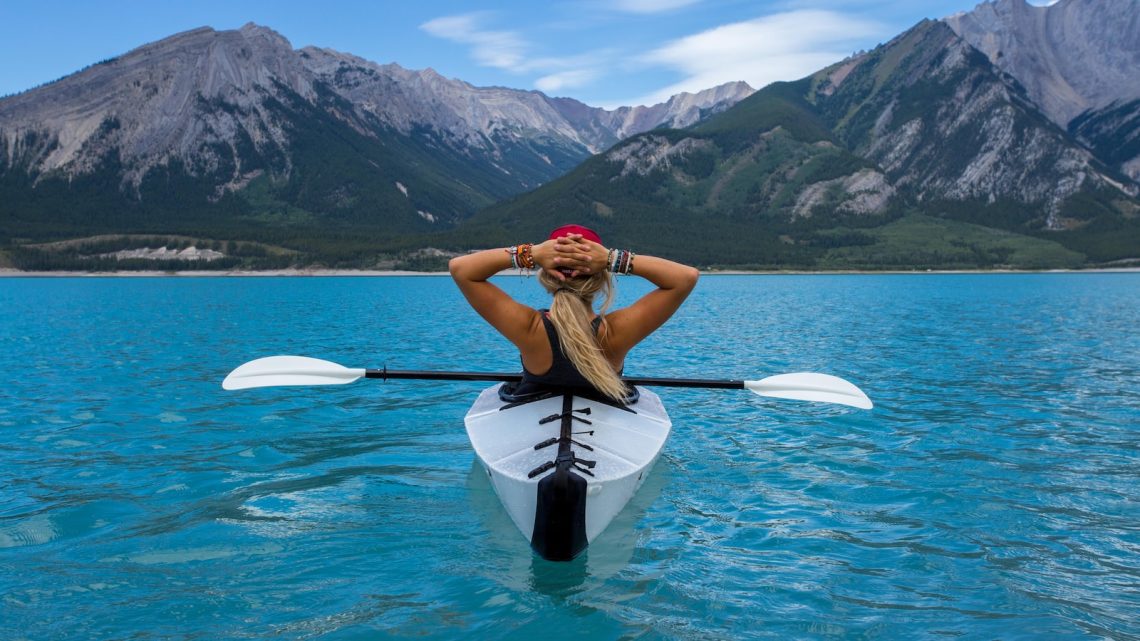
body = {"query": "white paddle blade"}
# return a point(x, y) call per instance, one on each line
point(807, 386)
point(289, 370)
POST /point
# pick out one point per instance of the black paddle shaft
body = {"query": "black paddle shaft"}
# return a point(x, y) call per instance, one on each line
point(385, 374)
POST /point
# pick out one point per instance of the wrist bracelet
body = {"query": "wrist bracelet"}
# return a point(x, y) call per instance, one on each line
point(620, 261)
point(521, 256)
point(525, 257)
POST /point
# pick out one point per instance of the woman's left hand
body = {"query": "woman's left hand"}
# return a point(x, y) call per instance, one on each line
point(592, 257)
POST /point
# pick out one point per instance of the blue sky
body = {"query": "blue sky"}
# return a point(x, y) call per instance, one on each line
point(603, 52)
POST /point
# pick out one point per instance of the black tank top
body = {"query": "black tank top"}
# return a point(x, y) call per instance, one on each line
point(562, 373)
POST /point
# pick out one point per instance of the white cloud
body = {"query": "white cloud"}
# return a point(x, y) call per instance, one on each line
point(509, 51)
point(784, 46)
point(500, 49)
point(650, 6)
point(565, 80)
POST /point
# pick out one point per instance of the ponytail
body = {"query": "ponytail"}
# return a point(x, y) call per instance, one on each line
point(570, 314)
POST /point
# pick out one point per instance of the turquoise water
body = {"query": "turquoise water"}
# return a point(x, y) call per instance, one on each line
point(994, 491)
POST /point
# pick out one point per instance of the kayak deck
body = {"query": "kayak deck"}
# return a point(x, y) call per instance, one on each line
point(551, 458)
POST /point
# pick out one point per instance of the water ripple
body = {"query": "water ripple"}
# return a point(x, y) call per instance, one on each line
point(992, 493)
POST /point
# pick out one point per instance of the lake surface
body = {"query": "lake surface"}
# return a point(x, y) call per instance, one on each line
point(993, 492)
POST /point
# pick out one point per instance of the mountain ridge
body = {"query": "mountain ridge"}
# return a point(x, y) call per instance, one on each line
point(238, 132)
point(924, 152)
point(223, 71)
point(923, 132)
point(1078, 65)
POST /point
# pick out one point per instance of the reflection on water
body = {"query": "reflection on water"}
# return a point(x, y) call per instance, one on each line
point(608, 555)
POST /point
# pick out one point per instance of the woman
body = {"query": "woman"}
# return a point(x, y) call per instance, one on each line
point(571, 345)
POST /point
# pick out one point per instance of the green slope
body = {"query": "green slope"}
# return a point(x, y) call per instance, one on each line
point(858, 166)
point(923, 242)
point(735, 179)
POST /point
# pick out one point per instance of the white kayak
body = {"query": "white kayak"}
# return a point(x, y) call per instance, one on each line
point(565, 465)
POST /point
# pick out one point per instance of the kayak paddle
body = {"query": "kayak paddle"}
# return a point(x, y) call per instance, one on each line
point(273, 371)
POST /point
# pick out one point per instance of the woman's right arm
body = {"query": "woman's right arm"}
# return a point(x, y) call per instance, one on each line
point(630, 325)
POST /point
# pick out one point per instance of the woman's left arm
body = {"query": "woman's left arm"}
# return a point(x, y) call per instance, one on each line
point(472, 273)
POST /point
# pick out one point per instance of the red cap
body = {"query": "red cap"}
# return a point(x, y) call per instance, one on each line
point(586, 232)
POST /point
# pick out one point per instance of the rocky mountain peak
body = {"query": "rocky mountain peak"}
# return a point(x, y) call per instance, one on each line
point(227, 108)
point(253, 30)
point(1072, 56)
point(602, 128)
point(152, 103)
point(686, 108)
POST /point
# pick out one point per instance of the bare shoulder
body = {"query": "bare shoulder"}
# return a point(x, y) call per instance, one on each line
point(630, 325)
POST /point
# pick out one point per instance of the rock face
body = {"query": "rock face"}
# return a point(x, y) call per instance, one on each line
point(1078, 61)
point(229, 108)
point(1113, 133)
point(944, 124)
point(1072, 56)
point(155, 103)
point(651, 153)
point(866, 192)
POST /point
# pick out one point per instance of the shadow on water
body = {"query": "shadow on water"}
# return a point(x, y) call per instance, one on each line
point(607, 556)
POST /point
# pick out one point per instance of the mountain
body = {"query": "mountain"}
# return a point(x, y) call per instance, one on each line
point(234, 134)
point(604, 128)
point(948, 126)
point(1113, 133)
point(1077, 61)
point(996, 138)
point(1071, 57)
point(845, 167)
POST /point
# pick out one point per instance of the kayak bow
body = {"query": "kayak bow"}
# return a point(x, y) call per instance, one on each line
point(564, 465)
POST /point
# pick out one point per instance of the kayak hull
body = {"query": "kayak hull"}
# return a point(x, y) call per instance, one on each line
point(564, 466)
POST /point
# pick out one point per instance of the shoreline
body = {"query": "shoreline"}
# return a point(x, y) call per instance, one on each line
point(364, 273)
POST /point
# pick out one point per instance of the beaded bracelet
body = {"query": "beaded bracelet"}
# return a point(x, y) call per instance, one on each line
point(526, 258)
point(521, 256)
point(620, 261)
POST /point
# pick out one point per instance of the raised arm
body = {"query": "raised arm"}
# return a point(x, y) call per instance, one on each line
point(511, 318)
point(630, 325)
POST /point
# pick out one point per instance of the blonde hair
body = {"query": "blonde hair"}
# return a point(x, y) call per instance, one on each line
point(570, 313)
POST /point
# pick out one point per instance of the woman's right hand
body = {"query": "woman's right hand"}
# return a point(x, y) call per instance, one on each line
point(569, 256)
